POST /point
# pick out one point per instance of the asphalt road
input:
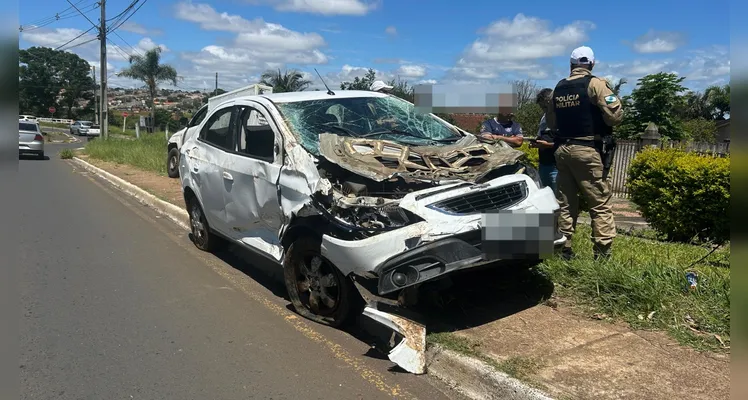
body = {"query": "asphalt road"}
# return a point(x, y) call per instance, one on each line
point(116, 303)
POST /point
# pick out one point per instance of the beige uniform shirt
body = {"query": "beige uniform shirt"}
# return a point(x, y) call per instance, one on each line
point(600, 94)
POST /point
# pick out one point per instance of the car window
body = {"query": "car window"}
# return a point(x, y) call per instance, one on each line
point(24, 126)
point(256, 136)
point(218, 129)
point(199, 116)
point(86, 123)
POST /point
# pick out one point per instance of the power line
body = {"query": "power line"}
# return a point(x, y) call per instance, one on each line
point(31, 27)
point(82, 43)
point(128, 8)
point(111, 29)
point(64, 14)
point(73, 39)
point(131, 46)
point(81, 13)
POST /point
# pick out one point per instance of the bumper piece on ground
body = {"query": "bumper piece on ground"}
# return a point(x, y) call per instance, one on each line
point(410, 353)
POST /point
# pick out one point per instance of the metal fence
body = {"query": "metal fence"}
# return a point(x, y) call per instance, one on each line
point(626, 151)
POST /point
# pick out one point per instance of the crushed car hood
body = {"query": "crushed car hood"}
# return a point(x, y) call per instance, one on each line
point(380, 160)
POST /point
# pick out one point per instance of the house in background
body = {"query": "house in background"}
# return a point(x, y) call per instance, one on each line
point(723, 131)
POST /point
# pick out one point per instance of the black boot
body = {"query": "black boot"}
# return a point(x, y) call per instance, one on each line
point(567, 254)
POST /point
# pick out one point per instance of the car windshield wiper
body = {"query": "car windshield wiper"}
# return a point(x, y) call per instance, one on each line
point(411, 134)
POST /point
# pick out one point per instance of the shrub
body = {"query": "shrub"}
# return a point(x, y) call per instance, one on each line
point(700, 130)
point(683, 195)
point(531, 153)
point(66, 154)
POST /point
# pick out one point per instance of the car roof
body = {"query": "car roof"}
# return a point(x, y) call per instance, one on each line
point(292, 97)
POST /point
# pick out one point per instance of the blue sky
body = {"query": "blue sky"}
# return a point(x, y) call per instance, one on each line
point(444, 42)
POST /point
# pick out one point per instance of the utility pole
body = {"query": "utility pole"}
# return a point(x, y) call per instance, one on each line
point(96, 96)
point(102, 67)
point(216, 92)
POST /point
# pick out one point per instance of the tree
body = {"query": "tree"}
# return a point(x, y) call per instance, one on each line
point(526, 90)
point(49, 77)
point(700, 130)
point(528, 116)
point(696, 106)
point(402, 89)
point(616, 87)
point(289, 81)
point(718, 98)
point(360, 83)
point(657, 98)
point(148, 68)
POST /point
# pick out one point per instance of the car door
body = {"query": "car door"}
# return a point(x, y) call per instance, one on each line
point(206, 155)
point(251, 175)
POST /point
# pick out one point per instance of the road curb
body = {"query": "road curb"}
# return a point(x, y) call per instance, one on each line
point(174, 213)
point(476, 379)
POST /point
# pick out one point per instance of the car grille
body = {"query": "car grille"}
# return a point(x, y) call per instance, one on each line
point(487, 200)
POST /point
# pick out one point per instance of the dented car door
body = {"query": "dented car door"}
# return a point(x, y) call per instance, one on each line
point(253, 212)
point(206, 158)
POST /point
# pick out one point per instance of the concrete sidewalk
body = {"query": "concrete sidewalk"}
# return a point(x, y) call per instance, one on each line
point(580, 358)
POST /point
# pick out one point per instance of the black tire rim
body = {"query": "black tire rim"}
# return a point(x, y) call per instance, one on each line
point(197, 220)
point(318, 284)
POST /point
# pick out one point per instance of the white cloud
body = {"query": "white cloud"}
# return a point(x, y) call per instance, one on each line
point(658, 42)
point(134, 27)
point(700, 67)
point(322, 7)
point(515, 46)
point(391, 30)
point(257, 46)
point(146, 44)
point(411, 71)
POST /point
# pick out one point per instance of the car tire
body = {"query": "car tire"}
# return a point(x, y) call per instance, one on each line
point(172, 163)
point(202, 236)
point(40, 156)
point(308, 275)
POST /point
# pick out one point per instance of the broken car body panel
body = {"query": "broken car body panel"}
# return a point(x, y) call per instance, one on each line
point(466, 160)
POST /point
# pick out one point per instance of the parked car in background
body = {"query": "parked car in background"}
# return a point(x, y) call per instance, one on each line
point(358, 195)
point(175, 141)
point(94, 131)
point(30, 139)
point(27, 118)
point(80, 128)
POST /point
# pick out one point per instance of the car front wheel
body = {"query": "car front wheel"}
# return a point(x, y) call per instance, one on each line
point(316, 288)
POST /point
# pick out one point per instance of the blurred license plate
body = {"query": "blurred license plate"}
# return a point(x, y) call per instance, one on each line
point(518, 234)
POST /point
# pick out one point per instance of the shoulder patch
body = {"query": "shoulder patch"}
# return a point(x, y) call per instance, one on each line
point(610, 99)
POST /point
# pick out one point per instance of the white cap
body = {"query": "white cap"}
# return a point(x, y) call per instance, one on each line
point(582, 56)
point(379, 85)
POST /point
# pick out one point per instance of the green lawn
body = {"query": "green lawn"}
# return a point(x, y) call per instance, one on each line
point(645, 284)
point(147, 153)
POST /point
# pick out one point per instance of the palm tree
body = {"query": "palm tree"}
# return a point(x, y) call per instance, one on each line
point(147, 68)
point(289, 81)
point(617, 86)
point(718, 98)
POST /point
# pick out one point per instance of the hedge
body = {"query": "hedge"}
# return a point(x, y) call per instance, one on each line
point(683, 195)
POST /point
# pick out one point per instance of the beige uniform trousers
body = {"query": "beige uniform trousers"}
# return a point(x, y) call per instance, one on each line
point(580, 170)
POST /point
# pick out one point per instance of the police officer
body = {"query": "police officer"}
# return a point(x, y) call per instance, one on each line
point(584, 111)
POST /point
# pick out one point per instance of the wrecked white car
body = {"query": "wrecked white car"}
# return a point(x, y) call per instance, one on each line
point(358, 197)
point(175, 141)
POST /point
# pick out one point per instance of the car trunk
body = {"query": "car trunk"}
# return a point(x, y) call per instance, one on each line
point(27, 132)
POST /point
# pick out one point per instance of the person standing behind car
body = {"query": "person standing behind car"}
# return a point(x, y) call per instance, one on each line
point(544, 143)
point(584, 111)
point(503, 128)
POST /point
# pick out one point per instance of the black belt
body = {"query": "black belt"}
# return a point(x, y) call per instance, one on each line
point(588, 143)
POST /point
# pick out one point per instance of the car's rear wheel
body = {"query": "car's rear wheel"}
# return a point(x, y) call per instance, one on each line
point(316, 288)
point(172, 163)
point(203, 238)
point(40, 155)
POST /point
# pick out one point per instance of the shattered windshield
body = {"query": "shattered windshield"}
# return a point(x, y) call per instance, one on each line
point(385, 118)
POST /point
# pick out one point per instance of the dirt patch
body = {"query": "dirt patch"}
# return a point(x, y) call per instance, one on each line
point(163, 187)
